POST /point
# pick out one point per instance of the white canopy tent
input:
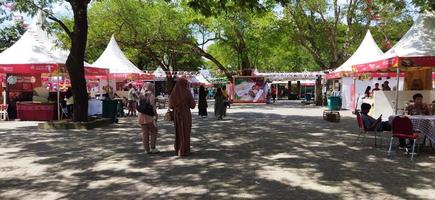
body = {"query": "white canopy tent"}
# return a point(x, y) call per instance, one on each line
point(35, 47)
point(117, 63)
point(415, 49)
point(368, 50)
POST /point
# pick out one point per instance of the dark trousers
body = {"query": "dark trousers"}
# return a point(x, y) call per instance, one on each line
point(402, 142)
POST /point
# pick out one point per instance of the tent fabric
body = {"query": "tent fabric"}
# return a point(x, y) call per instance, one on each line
point(416, 48)
point(115, 60)
point(31, 53)
point(36, 52)
point(366, 52)
point(199, 80)
point(293, 76)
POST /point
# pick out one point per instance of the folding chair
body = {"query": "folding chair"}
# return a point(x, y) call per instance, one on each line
point(364, 131)
point(4, 112)
point(402, 129)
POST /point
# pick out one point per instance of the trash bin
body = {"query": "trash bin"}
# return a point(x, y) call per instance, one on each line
point(110, 109)
point(334, 103)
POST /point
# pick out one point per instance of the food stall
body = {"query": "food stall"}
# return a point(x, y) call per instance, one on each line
point(122, 71)
point(413, 55)
point(348, 83)
point(23, 66)
point(283, 82)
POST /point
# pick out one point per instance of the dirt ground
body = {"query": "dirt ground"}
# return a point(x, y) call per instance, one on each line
point(280, 151)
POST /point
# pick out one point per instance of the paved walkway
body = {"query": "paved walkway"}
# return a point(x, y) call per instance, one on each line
point(281, 151)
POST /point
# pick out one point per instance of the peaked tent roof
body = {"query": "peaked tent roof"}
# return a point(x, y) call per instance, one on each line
point(417, 47)
point(36, 52)
point(368, 50)
point(115, 60)
point(32, 52)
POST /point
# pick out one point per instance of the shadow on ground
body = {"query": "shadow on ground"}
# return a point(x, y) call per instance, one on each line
point(253, 153)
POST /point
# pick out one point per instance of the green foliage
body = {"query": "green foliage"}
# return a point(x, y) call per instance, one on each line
point(10, 34)
point(145, 31)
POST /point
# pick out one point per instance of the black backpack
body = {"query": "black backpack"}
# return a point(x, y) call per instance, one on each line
point(145, 108)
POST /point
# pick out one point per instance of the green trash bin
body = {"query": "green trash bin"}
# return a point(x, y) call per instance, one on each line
point(334, 103)
point(110, 109)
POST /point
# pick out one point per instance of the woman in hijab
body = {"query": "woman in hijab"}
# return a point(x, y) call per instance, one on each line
point(147, 122)
point(219, 105)
point(181, 101)
point(202, 102)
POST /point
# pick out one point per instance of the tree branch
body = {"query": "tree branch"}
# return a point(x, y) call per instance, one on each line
point(55, 19)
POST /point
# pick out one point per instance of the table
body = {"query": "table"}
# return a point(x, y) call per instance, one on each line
point(424, 123)
point(28, 111)
point(95, 107)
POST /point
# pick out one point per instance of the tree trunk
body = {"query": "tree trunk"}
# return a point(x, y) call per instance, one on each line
point(319, 97)
point(243, 52)
point(75, 61)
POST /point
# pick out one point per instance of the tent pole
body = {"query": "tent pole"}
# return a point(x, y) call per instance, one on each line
point(58, 94)
point(397, 91)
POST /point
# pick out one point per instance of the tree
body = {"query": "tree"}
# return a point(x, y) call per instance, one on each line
point(78, 37)
point(10, 34)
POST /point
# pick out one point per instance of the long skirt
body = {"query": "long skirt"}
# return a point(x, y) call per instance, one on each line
point(183, 128)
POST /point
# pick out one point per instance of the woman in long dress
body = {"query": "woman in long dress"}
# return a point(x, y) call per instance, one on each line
point(202, 102)
point(181, 101)
point(147, 122)
point(219, 105)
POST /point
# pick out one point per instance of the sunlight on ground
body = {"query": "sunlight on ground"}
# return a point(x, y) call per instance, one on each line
point(30, 195)
point(423, 193)
point(305, 178)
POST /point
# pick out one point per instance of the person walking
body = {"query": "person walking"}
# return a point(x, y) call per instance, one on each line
point(219, 106)
point(181, 101)
point(202, 102)
point(131, 100)
point(226, 97)
point(148, 121)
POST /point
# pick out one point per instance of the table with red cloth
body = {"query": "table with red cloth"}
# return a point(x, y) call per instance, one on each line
point(28, 111)
point(423, 123)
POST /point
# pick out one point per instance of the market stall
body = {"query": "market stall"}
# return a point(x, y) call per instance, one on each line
point(414, 55)
point(121, 69)
point(24, 65)
point(345, 81)
point(283, 82)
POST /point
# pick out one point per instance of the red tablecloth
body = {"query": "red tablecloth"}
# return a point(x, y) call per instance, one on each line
point(35, 112)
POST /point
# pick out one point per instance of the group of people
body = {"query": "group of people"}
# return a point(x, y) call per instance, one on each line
point(384, 87)
point(181, 102)
point(221, 102)
point(416, 107)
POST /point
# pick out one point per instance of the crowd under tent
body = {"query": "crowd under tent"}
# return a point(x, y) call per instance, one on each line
point(414, 55)
point(23, 65)
point(120, 68)
point(349, 84)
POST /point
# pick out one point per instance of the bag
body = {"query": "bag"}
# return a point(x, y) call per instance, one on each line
point(169, 116)
point(146, 108)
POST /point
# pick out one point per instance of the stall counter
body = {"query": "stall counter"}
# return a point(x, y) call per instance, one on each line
point(29, 111)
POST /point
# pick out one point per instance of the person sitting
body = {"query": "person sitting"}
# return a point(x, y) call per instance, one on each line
point(418, 107)
point(385, 86)
point(371, 123)
point(367, 93)
point(376, 88)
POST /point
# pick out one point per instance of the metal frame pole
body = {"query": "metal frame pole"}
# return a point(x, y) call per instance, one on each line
point(397, 91)
point(58, 93)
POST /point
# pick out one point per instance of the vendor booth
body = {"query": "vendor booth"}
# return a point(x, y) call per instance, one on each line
point(351, 86)
point(414, 55)
point(122, 71)
point(283, 83)
point(26, 66)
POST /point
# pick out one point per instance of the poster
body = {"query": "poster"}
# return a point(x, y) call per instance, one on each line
point(249, 89)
